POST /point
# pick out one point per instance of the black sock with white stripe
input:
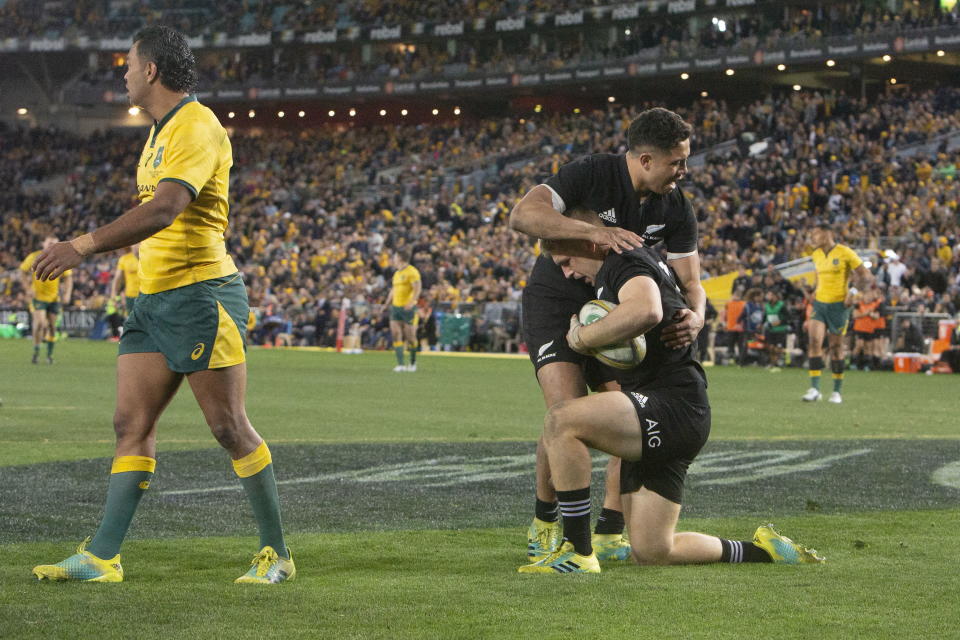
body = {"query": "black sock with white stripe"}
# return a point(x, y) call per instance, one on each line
point(575, 509)
point(742, 551)
point(609, 522)
point(546, 511)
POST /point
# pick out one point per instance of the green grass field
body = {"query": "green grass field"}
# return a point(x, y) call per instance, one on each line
point(406, 498)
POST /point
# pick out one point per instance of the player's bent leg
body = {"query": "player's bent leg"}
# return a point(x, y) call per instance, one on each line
point(221, 395)
point(559, 381)
point(815, 359)
point(144, 388)
point(653, 537)
point(608, 539)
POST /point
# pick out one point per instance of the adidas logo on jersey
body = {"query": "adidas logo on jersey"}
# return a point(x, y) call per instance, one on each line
point(610, 215)
point(640, 398)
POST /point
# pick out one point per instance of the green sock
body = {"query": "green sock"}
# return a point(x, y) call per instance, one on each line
point(256, 475)
point(36, 350)
point(837, 382)
point(815, 381)
point(50, 344)
point(129, 480)
point(398, 350)
point(413, 355)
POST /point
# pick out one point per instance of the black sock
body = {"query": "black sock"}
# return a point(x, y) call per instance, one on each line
point(575, 509)
point(742, 551)
point(546, 511)
point(610, 521)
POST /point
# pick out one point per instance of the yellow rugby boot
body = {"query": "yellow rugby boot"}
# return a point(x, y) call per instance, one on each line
point(543, 538)
point(782, 549)
point(610, 546)
point(268, 567)
point(564, 560)
point(82, 566)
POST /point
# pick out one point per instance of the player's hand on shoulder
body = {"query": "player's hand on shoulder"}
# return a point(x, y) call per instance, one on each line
point(615, 239)
point(683, 330)
point(52, 262)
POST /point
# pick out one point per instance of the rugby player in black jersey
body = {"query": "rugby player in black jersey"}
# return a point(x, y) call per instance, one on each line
point(636, 196)
point(657, 424)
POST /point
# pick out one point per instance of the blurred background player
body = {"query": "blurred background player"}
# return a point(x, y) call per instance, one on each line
point(835, 266)
point(402, 301)
point(126, 275)
point(636, 195)
point(657, 424)
point(189, 320)
point(45, 306)
point(775, 327)
point(866, 316)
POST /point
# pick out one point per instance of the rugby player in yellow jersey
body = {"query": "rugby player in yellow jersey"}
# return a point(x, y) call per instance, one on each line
point(402, 299)
point(190, 317)
point(45, 306)
point(835, 266)
point(127, 272)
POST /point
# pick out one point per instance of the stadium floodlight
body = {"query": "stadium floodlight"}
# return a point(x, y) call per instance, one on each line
point(251, 113)
point(893, 81)
point(231, 115)
point(796, 87)
point(831, 63)
point(383, 112)
point(456, 111)
point(436, 112)
point(134, 111)
point(403, 112)
point(684, 76)
point(280, 114)
point(941, 53)
point(22, 111)
point(781, 67)
point(886, 57)
point(626, 32)
point(611, 99)
point(729, 72)
point(353, 112)
point(302, 113)
point(704, 94)
point(332, 113)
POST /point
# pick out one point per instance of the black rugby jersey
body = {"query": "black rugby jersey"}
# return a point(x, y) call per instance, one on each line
point(662, 365)
point(601, 183)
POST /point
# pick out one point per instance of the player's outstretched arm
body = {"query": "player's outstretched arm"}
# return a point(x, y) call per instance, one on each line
point(135, 225)
point(640, 310)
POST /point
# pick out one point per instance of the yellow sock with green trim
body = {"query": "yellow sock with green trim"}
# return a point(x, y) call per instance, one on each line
point(255, 471)
point(129, 479)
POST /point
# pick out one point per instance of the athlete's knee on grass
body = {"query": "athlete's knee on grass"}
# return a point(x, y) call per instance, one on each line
point(649, 551)
point(228, 426)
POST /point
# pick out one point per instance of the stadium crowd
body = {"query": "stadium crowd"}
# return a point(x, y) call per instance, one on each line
point(316, 213)
point(646, 39)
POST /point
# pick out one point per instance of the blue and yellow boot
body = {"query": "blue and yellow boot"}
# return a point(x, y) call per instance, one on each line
point(82, 566)
point(268, 567)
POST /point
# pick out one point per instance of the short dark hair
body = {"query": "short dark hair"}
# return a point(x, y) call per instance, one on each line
point(825, 225)
point(168, 49)
point(658, 128)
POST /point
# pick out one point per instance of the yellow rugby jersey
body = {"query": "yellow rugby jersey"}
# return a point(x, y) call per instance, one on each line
point(833, 272)
point(189, 147)
point(403, 281)
point(129, 264)
point(43, 290)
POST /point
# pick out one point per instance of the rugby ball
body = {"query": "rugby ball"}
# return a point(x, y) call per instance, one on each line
point(625, 355)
